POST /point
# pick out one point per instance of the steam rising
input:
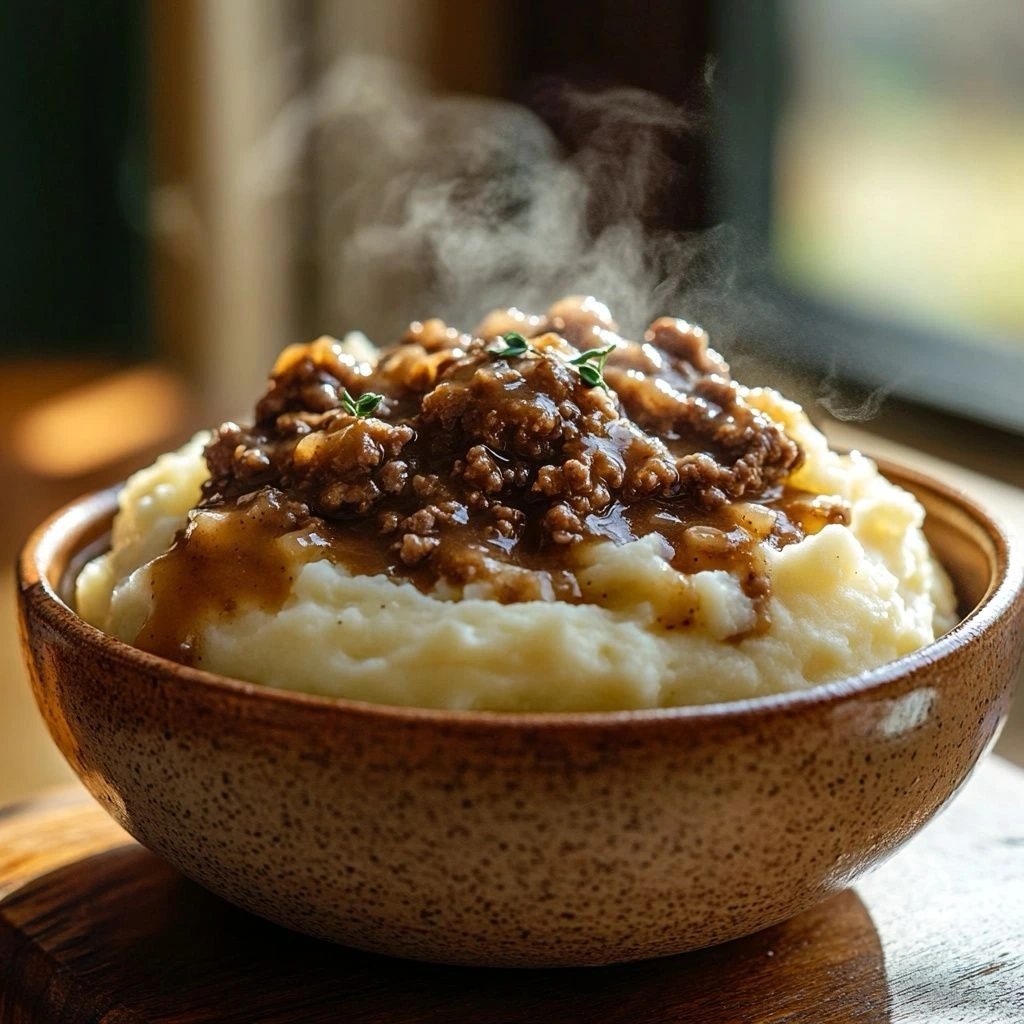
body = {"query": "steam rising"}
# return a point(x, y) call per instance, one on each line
point(456, 205)
point(451, 206)
point(837, 397)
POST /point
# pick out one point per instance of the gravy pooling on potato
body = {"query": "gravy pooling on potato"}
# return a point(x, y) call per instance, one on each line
point(482, 465)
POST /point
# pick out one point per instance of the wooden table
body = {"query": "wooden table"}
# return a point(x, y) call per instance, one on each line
point(95, 928)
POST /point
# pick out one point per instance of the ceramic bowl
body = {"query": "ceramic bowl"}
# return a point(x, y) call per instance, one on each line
point(525, 839)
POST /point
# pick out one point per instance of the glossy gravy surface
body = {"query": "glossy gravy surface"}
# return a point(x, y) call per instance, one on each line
point(478, 467)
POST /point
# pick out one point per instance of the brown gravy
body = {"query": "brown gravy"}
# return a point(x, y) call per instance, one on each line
point(479, 467)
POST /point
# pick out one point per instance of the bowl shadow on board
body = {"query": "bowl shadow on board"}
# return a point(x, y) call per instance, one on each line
point(157, 944)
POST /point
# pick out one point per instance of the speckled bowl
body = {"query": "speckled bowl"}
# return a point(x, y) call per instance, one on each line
point(512, 839)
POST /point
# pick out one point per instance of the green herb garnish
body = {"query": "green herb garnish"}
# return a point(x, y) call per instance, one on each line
point(361, 406)
point(591, 365)
point(515, 345)
point(591, 376)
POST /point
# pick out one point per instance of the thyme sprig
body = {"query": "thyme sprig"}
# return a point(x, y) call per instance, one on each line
point(361, 406)
point(591, 366)
point(515, 345)
point(589, 363)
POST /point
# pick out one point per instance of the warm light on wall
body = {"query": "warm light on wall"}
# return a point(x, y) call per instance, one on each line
point(82, 430)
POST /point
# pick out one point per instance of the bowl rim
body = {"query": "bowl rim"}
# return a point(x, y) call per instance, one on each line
point(1005, 589)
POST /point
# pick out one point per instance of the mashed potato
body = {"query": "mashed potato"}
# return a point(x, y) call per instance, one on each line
point(843, 600)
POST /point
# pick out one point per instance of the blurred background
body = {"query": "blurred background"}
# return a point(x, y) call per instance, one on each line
point(835, 190)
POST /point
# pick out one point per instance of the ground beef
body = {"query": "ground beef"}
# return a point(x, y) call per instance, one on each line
point(480, 466)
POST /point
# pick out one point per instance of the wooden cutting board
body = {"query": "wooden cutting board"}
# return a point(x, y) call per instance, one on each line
point(94, 928)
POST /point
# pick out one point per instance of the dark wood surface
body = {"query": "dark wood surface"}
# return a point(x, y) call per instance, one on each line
point(95, 928)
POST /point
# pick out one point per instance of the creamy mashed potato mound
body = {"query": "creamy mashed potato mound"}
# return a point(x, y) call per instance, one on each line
point(843, 600)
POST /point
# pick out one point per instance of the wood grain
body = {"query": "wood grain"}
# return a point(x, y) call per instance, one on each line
point(95, 928)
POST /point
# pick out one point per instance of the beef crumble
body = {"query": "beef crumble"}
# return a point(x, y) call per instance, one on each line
point(483, 468)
